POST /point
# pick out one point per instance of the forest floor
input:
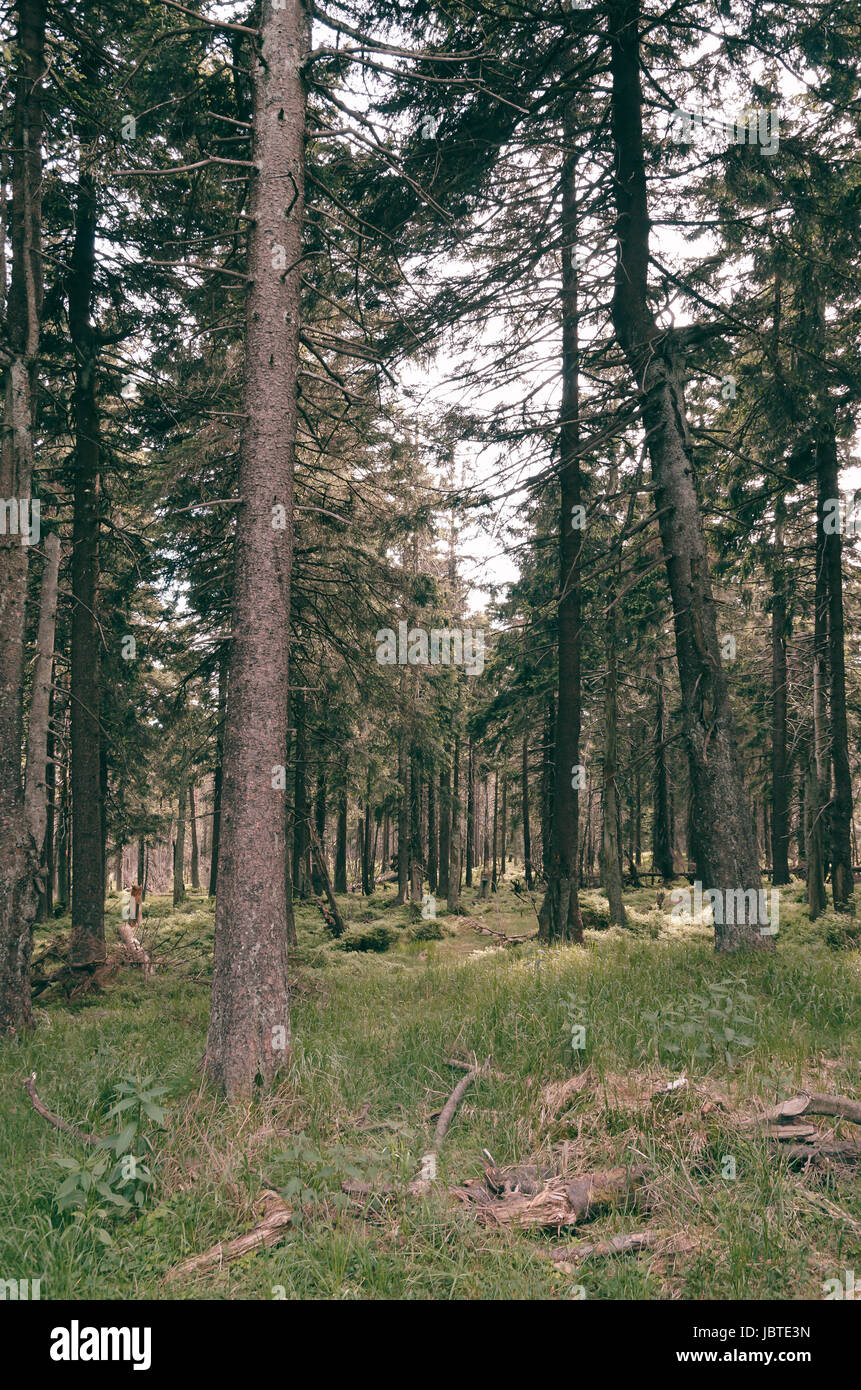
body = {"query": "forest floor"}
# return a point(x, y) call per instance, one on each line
point(372, 1032)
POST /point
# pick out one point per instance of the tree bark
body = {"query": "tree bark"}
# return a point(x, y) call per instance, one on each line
point(88, 805)
point(249, 1030)
point(19, 856)
point(341, 829)
point(662, 835)
point(840, 809)
point(218, 775)
point(559, 918)
point(720, 813)
point(35, 782)
point(433, 839)
point(779, 774)
point(524, 796)
point(195, 854)
point(179, 844)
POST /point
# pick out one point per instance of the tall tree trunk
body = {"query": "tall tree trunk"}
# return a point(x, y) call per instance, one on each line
point(416, 865)
point(64, 875)
point(503, 849)
point(403, 820)
point(88, 805)
point(249, 1028)
point(301, 810)
point(454, 859)
point(662, 835)
point(433, 840)
point(320, 796)
point(195, 853)
point(444, 828)
point(470, 814)
point(721, 815)
point(141, 860)
point(840, 809)
point(179, 845)
point(547, 785)
point(611, 861)
point(19, 347)
point(494, 875)
point(46, 896)
point(524, 796)
point(818, 785)
point(779, 775)
point(559, 918)
point(36, 778)
point(218, 775)
point(341, 828)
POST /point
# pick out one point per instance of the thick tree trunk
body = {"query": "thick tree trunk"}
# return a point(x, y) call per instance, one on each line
point(779, 773)
point(524, 797)
point(818, 785)
point(195, 853)
point(64, 875)
point(88, 805)
point(218, 775)
point(726, 846)
point(341, 828)
point(35, 783)
point(494, 876)
point(141, 861)
point(249, 1030)
point(559, 918)
point(840, 809)
point(19, 347)
point(470, 814)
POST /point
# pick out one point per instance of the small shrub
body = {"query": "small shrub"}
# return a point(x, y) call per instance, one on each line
point(425, 931)
point(379, 938)
point(843, 933)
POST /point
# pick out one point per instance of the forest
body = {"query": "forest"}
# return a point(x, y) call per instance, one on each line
point(430, 689)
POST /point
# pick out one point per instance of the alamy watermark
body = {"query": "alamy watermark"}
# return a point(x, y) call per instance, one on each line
point(21, 518)
point(752, 127)
point(444, 646)
point(729, 906)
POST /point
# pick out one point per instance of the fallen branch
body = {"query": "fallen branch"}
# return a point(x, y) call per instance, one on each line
point(810, 1103)
point(267, 1232)
point(448, 1111)
point(623, 1245)
point(490, 931)
point(56, 1120)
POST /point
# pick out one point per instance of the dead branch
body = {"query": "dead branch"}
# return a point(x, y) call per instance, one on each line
point(810, 1103)
point(56, 1120)
point(269, 1231)
point(623, 1245)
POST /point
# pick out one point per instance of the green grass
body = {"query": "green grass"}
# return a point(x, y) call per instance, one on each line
point(368, 1072)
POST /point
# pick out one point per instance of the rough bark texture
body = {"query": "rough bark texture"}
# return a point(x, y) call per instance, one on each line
point(524, 795)
point(726, 846)
point(341, 827)
point(779, 774)
point(218, 776)
point(454, 843)
point(192, 825)
point(35, 785)
point(559, 918)
point(249, 1028)
point(611, 857)
point(19, 856)
point(840, 809)
point(88, 879)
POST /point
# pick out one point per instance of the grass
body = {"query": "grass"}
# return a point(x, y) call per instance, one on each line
point(367, 1074)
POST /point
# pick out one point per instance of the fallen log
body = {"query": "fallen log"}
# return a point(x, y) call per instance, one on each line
point(490, 931)
point(560, 1202)
point(268, 1232)
point(810, 1103)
